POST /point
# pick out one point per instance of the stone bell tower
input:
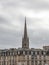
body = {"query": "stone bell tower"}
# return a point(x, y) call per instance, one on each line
point(25, 39)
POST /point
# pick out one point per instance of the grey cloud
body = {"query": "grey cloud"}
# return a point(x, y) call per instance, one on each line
point(4, 20)
point(39, 38)
point(37, 4)
point(29, 4)
point(10, 38)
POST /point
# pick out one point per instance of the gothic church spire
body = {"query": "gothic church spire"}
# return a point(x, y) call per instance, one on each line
point(25, 29)
point(25, 39)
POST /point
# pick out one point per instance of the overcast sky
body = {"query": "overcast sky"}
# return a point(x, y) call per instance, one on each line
point(12, 18)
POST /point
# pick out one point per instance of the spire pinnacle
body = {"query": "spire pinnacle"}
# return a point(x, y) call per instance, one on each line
point(25, 29)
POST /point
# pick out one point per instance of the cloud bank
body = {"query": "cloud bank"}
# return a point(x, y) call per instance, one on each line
point(12, 18)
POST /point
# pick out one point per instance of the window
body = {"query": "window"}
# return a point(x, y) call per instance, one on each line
point(25, 45)
point(23, 52)
point(38, 52)
point(31, 52)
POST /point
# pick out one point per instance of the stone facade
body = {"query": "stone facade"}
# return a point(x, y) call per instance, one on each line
point(25, 55)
